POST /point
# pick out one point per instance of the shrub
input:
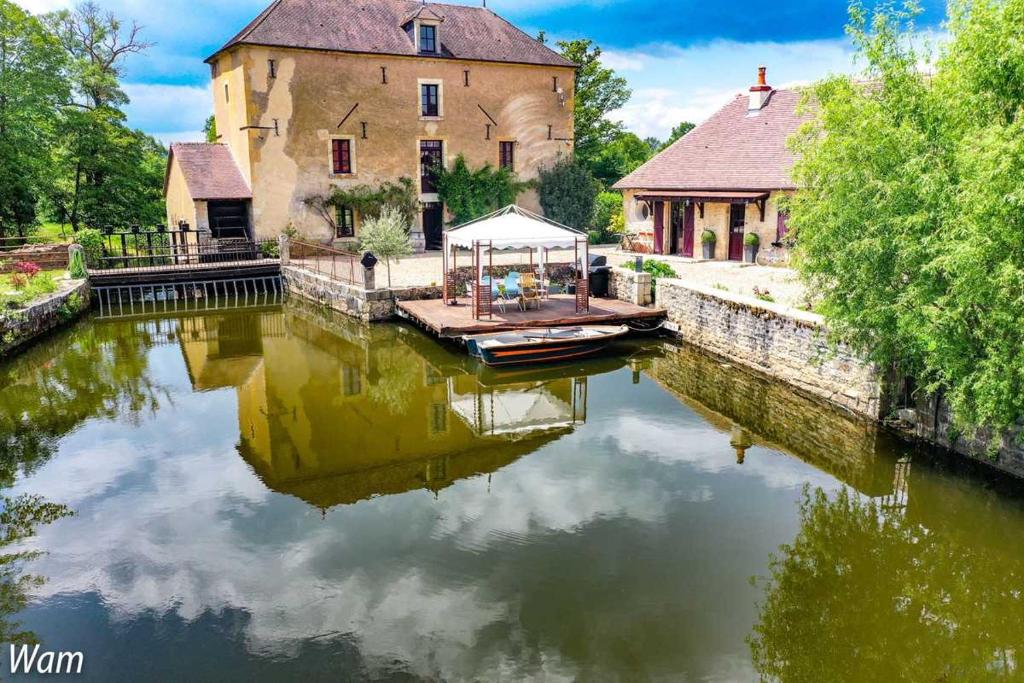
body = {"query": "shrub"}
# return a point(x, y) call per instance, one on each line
point(658, 269)
point(92, 242)
point(567, 192)
point(763, 294)
point(76, 265)
point(607, 217)
point(27, 268)
point(751, 239)
point(270, 250)
point(707, 237)
point(19, 281)
point(469, 194)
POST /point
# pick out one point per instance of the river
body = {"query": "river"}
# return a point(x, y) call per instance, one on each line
point(272, 492)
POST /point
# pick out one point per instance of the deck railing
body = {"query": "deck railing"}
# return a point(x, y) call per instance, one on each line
point(147, 251)
point(343, 266)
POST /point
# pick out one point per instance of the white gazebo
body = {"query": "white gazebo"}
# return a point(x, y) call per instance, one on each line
point(511, 228)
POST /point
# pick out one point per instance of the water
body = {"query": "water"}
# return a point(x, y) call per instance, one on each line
point(268, 493)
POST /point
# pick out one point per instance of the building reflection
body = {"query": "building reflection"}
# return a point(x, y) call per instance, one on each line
point(334, 413)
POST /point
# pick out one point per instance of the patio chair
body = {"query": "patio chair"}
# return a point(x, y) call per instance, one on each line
point(530, 291)
point(512, 285)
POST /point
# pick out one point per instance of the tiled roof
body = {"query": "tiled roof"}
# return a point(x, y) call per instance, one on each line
point(732, 150)
point(210, 171)
point(376, 27)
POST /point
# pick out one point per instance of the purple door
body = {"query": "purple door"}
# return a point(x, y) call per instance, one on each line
point(688, 231)
point(737, 219)
point(659, 227)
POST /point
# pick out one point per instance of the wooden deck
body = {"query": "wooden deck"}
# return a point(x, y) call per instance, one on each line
point(559, 310)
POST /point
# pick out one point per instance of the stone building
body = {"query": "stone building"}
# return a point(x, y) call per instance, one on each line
point(317, 94)
point(725, 176)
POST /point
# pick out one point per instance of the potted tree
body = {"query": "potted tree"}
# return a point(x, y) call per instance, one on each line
point(707, 240)
point(751, 242)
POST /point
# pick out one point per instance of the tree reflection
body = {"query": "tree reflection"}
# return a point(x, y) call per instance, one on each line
point(92, 370)
point(863, 594)
point(19, 520)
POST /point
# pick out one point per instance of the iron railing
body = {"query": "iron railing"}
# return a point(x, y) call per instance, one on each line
point(343, 266)
point(180, 253)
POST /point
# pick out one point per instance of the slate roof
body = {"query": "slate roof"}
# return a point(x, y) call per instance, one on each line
point(730, 151)
point(210, 171)
point(376, 27)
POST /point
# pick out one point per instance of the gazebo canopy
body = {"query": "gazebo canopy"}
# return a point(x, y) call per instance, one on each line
point(514, 228)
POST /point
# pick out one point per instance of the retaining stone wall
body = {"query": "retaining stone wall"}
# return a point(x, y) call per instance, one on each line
point(20, 326)
point(626, 284)
point(368, 305)
point(776, 340)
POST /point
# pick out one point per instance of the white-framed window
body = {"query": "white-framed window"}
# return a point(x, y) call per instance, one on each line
point(428, 37)
point(431, 98)
point(342, 155)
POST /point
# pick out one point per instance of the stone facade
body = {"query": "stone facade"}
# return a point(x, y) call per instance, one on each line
point(18, 327)
point(280, 126)
point(628, 285)
point(778, 341)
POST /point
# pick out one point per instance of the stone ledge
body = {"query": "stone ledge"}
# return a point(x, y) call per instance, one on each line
point(20, 326)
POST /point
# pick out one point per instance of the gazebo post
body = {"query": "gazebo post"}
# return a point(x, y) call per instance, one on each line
point(444, 268)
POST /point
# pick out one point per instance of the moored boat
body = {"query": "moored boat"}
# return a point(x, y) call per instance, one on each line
point(542, 345)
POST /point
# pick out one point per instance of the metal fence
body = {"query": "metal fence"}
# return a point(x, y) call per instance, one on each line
point(179, 250)
point(343, 266)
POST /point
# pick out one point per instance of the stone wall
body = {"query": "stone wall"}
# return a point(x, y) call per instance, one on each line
point(46, 256)
point(368, 305)
point(20, 326)
point(781, 342)
point(628, 285)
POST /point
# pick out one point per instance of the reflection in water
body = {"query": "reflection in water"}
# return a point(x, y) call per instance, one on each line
point(274, 493)
point(334, 422)
point(867, 594)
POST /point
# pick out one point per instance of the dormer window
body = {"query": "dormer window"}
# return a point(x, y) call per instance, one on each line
point(428, 38)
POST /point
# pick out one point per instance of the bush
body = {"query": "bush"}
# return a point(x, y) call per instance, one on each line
point(387, 236)
point(92, 242)
point(469, 194)
point(751, 239)
point(658, 269)
point(27, 268)
point(708, 237)
point(76, 265)
point(567, 194)
point(608, 219)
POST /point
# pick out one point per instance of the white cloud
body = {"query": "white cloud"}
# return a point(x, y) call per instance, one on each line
point(179, 109)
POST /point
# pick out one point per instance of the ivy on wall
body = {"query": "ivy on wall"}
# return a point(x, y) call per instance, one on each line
point(368, 201)
point(469, 194)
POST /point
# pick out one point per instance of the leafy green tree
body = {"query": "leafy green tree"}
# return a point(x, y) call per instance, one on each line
point(210, 128)
point(31, 91)
point(598, 93)
point(607, 208)
point(104, 173)
point(908, 223)
point(567, 193)
point(387, 236)
point(623, 155)
point(678, 132)
point(469, 194)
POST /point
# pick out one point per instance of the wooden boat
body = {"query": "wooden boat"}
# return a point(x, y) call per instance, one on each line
point(542, 345)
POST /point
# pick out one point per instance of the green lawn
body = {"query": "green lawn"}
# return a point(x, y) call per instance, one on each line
point(51, 232)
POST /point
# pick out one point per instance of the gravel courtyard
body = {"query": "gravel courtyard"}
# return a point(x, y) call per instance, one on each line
point(781, 283)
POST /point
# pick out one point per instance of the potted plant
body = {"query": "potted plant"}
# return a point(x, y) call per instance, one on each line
point(707, 239)
point(750, 244)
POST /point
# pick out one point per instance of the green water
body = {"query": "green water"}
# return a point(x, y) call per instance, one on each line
point(268, 494)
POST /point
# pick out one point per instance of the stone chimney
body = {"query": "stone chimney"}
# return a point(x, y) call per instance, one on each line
point(759, 93)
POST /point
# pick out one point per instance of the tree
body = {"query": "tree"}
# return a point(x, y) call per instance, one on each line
point(470, 194)
point(598, 93)
point(607, 216)
point(567, 193)
point(210, 129)
point(103, 171)
point(31, 90)
point(387, 236)
point(678, 132)
point(908, 223)
point(623, 155)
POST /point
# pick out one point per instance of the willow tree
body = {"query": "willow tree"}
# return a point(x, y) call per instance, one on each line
point(910, 220)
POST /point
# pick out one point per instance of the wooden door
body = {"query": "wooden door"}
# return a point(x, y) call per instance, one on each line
point(675, 240)
point(659, 227)
point(687, 238)
point(433, 225)
point(737, 218)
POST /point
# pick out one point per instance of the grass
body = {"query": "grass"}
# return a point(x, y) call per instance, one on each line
point(53, 232)
point(42, 284)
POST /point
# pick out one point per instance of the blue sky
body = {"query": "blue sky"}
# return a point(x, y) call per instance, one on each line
point(683, 58)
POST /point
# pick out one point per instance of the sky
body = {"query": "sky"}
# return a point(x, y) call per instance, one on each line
point(683, 59)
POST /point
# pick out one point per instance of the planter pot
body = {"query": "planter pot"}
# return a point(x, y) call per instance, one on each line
point(749, 254)
point(709, 250)
point(570, 289)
